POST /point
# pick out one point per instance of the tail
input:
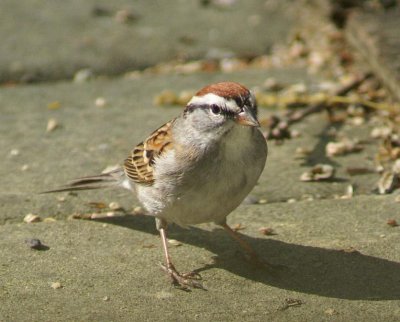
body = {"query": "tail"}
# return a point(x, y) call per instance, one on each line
point(114, 178)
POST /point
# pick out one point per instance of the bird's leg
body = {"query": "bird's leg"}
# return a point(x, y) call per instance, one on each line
point(251, 253)
point(185, 281)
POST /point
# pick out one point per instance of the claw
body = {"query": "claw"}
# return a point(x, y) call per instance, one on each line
point(184, 281)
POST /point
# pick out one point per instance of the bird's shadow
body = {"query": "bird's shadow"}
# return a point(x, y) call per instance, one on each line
point(306, 269)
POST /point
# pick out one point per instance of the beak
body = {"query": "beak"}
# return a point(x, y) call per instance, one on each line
point(247, 118)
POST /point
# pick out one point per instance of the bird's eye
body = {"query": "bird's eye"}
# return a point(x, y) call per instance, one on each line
point(215, 109)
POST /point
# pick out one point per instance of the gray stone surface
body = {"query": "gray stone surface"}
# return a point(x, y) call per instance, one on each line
point(338, 257)
point(43, 40)
point(109, 271)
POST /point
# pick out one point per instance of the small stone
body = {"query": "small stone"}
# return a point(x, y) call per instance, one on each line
point(61, 198)
point(31, 218)
point(392, 223)
point(343, 147)
point(106, 298)
point(24, 167)
point(267, 231)
point(83, 75)
point(52, 124)
point(100, 102)
point(331, 311)
point(35, 244)
point(174, 242)
point(56, 285)
point(138, 210)
point(318, 173)
point(291, 200)
point(381, 132)
point(262, 201)
point(114, 205)
point(14, 152)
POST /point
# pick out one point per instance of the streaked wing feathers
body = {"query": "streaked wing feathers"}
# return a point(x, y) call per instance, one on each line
point(139, 165)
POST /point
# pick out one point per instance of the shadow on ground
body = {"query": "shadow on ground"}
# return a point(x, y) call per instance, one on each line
point(313, 270)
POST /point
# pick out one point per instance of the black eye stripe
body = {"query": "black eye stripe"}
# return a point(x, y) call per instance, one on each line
point(223, 109)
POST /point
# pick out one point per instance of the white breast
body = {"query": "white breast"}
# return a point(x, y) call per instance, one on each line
point(212, 187)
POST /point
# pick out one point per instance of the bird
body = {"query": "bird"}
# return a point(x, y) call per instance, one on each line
point(196, 168)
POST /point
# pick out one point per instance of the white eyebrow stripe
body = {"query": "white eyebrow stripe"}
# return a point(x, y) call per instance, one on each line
point(210, 99)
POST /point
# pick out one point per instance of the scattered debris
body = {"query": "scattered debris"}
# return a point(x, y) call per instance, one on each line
point(382, 132)
point(52, 124)
point(31, 218)
point(290, 302)
point(35, 244)
point(392, 223)
point(114, 205)
point(97, 205)
point(318, 173)
point(343, 147)
point(174, 242)
point(56, 285)
point(100, 102)
point(79, 216)
point(349, 192)
point(267, 231)
point(14, 152)
point(331, 312)
point(83, 75)
point(138, 211)
point(388, 182)
point(54, 105)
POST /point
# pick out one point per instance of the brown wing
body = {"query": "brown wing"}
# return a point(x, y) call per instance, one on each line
point(139, 165)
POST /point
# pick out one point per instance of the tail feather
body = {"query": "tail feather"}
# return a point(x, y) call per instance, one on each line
point(105, 180)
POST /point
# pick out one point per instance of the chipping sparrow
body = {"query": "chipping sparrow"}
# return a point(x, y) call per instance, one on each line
point(196, 168)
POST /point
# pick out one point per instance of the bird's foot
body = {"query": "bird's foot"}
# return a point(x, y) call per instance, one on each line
point(184, 281)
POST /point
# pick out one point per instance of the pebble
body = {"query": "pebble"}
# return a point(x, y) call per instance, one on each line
point(174, 242)
point(35, 243)
point(14, 152)
point(83, 75)
point(52, 124)
point(56, 285)
point(100, 102)
point(114, 205)
point(31, 218)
